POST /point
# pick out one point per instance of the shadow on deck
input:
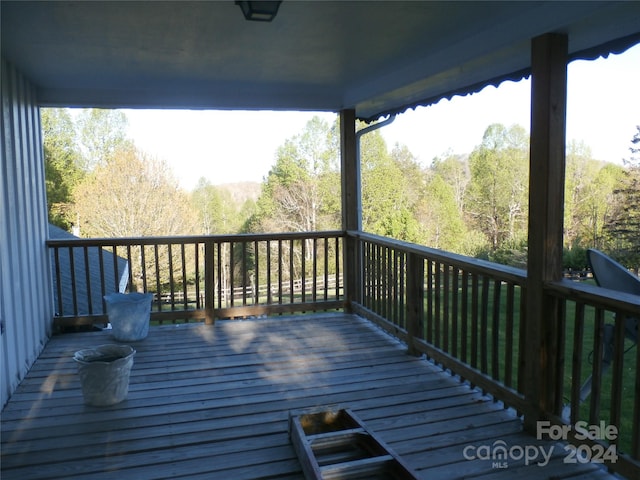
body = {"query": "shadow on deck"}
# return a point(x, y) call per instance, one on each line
point(212, 402)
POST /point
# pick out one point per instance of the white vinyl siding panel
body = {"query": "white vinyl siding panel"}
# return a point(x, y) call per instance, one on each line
point(26, 306)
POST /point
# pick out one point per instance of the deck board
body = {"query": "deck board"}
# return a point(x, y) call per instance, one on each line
point(213, 402)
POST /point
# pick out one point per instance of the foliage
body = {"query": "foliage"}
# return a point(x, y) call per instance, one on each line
point(474, 205)
point(102, 133)
point(513, 253)
point(61, 163)
point(74, 143)
point(413, 173)
point(623, 223)
point(497, 197)
point(574, 258)
point(132, 195)
point(454, 169)
point(217, 211)
point(634, 159)
point(589, 186)
point(301, 186)
point(441, 220)
point(386, 200)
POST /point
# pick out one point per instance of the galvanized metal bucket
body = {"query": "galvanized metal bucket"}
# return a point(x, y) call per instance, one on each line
point(104, 373)
point(129, 315)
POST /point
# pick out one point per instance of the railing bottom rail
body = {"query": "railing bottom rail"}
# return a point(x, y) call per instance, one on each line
point(206, 315)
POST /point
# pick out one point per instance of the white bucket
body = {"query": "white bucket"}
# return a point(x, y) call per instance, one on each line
point(104, 373)
point(129, 315)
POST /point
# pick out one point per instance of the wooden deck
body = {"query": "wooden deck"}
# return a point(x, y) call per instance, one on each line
point(212, 402)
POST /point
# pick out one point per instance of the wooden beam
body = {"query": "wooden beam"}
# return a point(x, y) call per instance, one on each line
point(546, 207)
point(415, 301)
point(209, 281)
point(351, 191)
point(351, 206)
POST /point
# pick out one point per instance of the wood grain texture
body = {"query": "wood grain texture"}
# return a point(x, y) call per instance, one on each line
point(213, 402)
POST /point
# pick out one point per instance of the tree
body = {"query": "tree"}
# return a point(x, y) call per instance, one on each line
point(217, 211)
point(101, 134)
point(634, 159)
point(498, 190)
point(596, 206)
point(301, 188)
point(454, 170)
point(443, 225)
point(62, 164)
point(386, 198)
point(413, 173)
point(589, 198)
point(132, 195)
point(624, 223)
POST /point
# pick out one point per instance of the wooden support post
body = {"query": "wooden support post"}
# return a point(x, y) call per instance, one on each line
point(209, 281)
point(415, 300)
point(351, 207)
point(546, 207)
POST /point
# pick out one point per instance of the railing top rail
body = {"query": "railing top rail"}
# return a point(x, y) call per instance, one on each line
point(179, 239)
point(474, 265)
point(592, 294)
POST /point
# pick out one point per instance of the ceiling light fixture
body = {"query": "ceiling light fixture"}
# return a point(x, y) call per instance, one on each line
point(259, 11)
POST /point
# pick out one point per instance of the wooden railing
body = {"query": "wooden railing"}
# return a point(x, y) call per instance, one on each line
point(465, 314)
point(468, 316)
point(200, 278)
point(600, 382)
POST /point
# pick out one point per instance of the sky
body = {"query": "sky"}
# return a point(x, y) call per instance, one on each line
point(603, 109)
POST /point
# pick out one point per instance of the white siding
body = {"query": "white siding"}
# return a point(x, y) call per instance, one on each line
point(26, 305)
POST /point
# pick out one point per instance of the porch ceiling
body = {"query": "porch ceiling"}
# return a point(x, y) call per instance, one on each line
point(376, 57)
